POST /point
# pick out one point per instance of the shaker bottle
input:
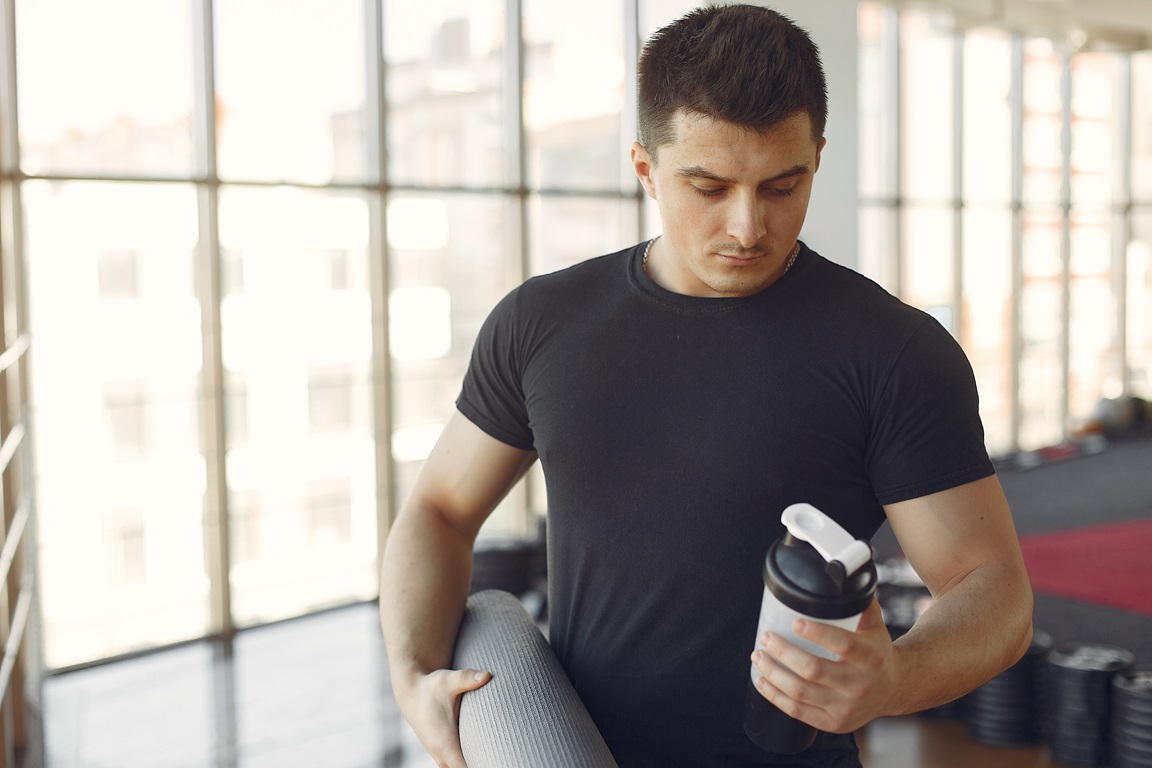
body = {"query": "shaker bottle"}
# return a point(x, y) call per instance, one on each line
point(816, 571)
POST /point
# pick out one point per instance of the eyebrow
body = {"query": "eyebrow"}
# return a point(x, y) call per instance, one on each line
point(700, 172)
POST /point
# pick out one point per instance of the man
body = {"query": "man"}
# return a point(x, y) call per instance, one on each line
point(680, 394)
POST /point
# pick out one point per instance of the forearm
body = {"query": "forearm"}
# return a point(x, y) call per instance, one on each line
point(974, 630)
point(424, 582)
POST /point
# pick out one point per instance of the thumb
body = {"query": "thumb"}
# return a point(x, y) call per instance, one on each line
point(470, 679)
point(872, 617)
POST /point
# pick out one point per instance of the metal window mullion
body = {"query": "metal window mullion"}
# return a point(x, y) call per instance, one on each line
point(10, 626)
point(9, 133)
point(629, 117)
point(517, 171)
point(1016, 337)
point(20, 668)
point(515, 134)
point(1065, 238)
point(1122, 218)
point(376, 172)
point(217, 533)
point(958, 186)
point(893, 271)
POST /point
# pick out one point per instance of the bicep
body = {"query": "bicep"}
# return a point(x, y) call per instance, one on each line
point(466, 475)
point(949, 534)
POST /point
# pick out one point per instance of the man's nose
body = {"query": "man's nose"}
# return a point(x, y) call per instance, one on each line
point(746, 220)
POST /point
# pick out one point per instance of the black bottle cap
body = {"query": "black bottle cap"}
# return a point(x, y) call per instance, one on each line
point(803, 580)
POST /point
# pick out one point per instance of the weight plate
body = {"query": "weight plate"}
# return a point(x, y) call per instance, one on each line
point(1135, 718)
point(1080, 756)
point(1090, 657)
point(1135, 682)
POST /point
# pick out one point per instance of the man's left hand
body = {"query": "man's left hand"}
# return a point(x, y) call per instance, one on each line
point(834, 696)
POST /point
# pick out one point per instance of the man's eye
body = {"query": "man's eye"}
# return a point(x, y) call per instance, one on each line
point(783, 192)
point(708, 192)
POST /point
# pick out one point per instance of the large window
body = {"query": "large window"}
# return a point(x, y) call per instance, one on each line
point(256, 268)
point(996, 196)
point(256, 265)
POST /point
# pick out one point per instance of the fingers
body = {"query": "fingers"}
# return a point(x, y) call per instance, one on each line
point(434, 712)
point(838, 640)
point(788, 692)
point(872, 618)
point(810, 689)
point(832, 695)
point(870, 631)
point(464, 680)
point(459, 682)
point(790, 659)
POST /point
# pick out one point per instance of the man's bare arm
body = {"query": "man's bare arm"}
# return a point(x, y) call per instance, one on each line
point(963, 545)
point(427, 567)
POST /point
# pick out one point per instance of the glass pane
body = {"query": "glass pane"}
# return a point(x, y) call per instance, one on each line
point(1094, 129)
point(567, 230)
point(655, 14)
point(1093, 364)
point(573, 97)
point(1043, 156)
point(987, 117)
point(1142, 126)
point(290, 90)
point(870, 112)
point(87, 103)
point(117, 398)
point(927, 280)
point(987, 318)
point(446, 93)
point(1139, 319)
point(878, 245)
point(452, 257)
point(297, 348)
point(1042, 312)
point(925, 109)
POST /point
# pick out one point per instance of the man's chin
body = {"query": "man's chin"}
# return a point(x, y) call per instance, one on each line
point(734, 286)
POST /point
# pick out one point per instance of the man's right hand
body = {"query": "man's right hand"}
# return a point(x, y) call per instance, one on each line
point(425, 576)
point(432, 709)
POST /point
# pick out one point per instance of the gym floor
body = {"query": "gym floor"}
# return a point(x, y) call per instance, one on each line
point(314, 691)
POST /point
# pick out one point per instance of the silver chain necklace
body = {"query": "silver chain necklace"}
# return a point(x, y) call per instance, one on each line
point(788, 266)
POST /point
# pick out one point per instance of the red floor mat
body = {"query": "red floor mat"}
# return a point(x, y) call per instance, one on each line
point(1110, 565)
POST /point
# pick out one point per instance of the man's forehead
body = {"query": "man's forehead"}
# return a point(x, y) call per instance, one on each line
point(686, 122)
point(708, 147)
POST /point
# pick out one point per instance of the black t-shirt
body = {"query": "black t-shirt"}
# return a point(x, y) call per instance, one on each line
point(673, 431)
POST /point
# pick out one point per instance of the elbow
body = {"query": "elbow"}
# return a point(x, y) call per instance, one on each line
point(1023, 638)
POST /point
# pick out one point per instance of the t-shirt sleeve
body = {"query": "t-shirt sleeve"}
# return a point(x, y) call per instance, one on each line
point(926, 430)
point(492, 395)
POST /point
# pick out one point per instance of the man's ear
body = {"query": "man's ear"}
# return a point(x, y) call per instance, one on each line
point(643, 164)
point(819, 147)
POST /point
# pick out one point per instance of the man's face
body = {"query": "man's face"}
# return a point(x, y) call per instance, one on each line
point(732, 202)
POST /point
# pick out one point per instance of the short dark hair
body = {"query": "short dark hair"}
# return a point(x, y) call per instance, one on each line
point(744, 64)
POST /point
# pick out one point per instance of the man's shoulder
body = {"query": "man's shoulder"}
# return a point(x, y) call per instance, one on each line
point(849, 290)
point(565, 294)
point(611, 267)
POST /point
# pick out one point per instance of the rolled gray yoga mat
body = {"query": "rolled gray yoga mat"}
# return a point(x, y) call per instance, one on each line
point(528, 715)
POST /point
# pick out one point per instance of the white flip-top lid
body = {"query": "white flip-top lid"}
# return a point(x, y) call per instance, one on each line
point(807, 523)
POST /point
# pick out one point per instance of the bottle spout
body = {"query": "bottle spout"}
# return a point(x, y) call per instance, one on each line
point(807, 523)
